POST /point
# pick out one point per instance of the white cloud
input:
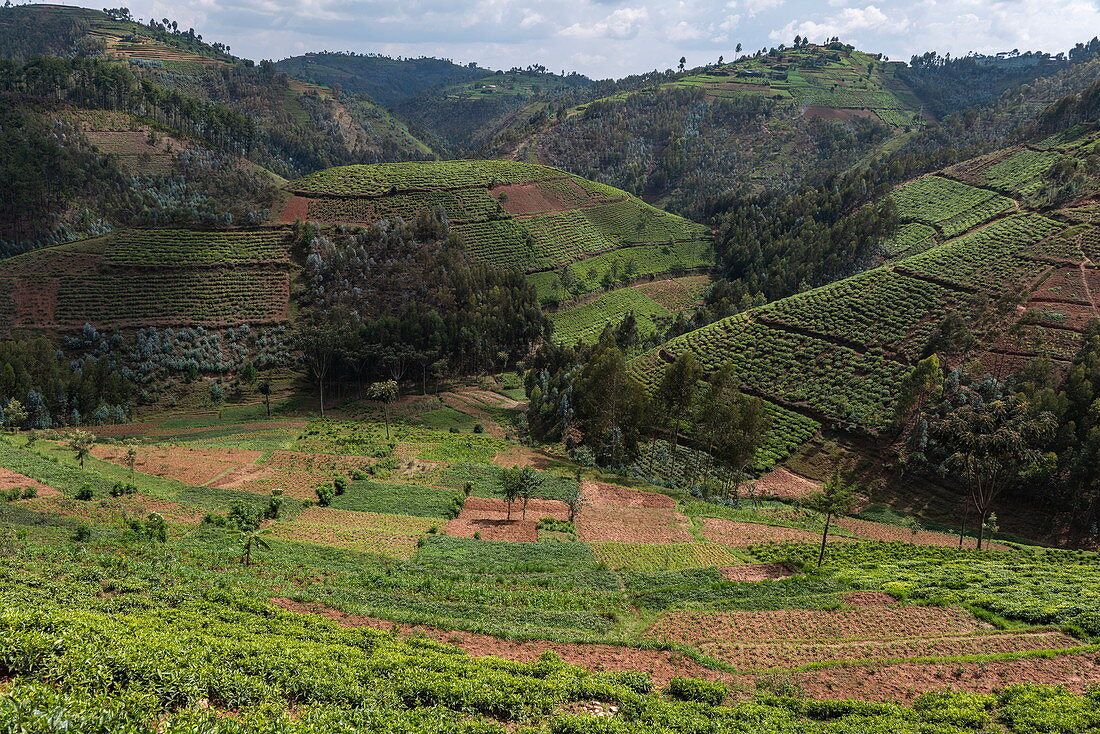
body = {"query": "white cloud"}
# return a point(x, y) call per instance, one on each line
point(614, 37)
point(623, 24)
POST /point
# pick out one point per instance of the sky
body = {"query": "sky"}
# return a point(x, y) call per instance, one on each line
point(613, 38)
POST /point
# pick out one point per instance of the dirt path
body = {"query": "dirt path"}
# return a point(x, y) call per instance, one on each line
point(1085, 282)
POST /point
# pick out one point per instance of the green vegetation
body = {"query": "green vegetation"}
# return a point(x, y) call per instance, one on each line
point(951, 207)
point(396, 499)
point(585, 323)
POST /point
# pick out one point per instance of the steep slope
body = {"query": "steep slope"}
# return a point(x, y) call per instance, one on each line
point(778, 119)
point(571, 236)
point(1023, 283)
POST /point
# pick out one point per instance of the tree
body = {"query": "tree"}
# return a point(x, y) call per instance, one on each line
point(608, 403)
point(319, 342)
point(531, 482)
point(249, 540)
point(924, 381)
point(80, 443)
point(994, 443)
point(385, 392)
point(511, 486)
point(836, 497)
point(15, 414)
point(131, 458)
point(216, 397)
point(265, 390)
point(248, 375)
point(675, 393)
point(574, 499)
point(683, 62)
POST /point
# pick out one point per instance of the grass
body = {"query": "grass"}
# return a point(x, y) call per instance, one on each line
point(397, 499)
point(664, 556)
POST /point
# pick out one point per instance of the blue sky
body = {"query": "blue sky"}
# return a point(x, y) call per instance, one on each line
point(608, 38)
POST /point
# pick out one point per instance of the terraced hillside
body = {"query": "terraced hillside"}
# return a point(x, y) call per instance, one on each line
point(572, 236)
point(1026, 284)
point(138, 278)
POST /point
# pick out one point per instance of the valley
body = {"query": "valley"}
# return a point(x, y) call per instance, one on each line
point(349, 393)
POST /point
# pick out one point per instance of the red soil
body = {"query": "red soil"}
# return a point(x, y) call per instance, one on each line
point(522, 457)
point(11, 480)
point(489, 517)
point(306, 462)
point(867, 623)
point(599, 494)
point(632, 525)
point(193, 466)
point(755, 572)
point(782, 483)
point(296, 208)
point(35, 301)
point(903, 682)
point(530, 199)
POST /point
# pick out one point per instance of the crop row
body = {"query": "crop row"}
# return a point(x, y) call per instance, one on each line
point(183, 297)
point(1063, 247)
point(910, 239)
point(586, 323)
point(955, 207)
point(387, 178)
point(596, 272)
point(634, 222)
point(1021, 172)
point(838, 382)
point(183, 248)
point(663, 556)
point(565, 236)
point(986, 259)
point(877, 307)
point(1036, 586)
point(371, 209)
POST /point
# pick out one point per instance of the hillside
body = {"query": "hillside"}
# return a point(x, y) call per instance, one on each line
point(113, 80)
point(971, 247)
point(571, 236)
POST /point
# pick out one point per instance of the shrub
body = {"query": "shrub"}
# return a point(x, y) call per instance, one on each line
point(478, 428)
point(120, 489)
point(85, 493)
point(325, 495)
point(358, 475)
point(339, 485)
point(82, 533)
point(635, 680)
point(701, 691)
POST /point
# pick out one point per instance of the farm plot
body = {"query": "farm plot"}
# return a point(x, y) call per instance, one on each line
point(790, 368)
point(491, 519)
point(112, 511)
point(387, 535)
point(864, 623)
point(729, 532)
point(910, 239)
point(385, 178)
point(503, 243)
point(212, 297)
point(600, 271)
point(187, 248)
point(314, 463)
point(950, 206)
point(485, 482)
point(586, 323)
point(565, 237)
point(677, 294)
point(987, 259)
point(663, 556)
point(867, 530)
point(1064, 285)
point(629, 223)
point(1062, 247)
point(878, 307)
point(396, 499)
point(613, 514)
point(191, 465)
point(1056, 343)
point(1021, 173)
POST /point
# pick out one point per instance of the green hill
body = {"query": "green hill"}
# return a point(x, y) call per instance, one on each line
point(571, 236)
point(1024, 284)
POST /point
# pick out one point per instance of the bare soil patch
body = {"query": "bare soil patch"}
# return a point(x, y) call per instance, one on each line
point(600, 494)
point(747, 533)
point(489, 517)
point(35, 301)
point(782, 483)
point(10, 480)
point(661, 665)
point(904, 682)
point(307, 462)
point(676, 294)
point(522, 456)
point(192, 466)
point(873, 623)
point(868, 599)
point(296, 208)
point(602, 524)
point(756, 572)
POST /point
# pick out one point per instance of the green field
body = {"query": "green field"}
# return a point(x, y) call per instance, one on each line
point(586, 323)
